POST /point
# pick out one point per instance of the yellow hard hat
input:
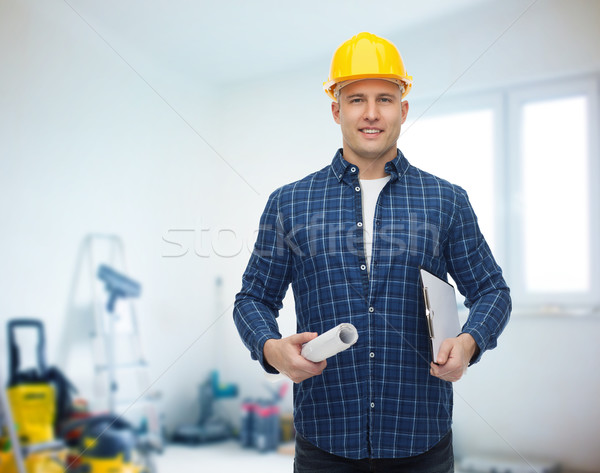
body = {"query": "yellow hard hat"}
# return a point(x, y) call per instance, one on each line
point(366, 56)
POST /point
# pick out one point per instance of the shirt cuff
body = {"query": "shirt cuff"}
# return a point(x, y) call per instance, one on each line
point(259, 353)
point(479, 340)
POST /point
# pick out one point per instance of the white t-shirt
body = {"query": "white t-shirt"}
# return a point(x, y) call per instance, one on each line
point(370, 189)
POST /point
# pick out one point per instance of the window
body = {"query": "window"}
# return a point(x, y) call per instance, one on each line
point(554, 167)
point(554, 196)
point(525, 157)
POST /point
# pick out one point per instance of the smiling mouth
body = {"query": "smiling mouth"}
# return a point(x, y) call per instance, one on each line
point(371, 131)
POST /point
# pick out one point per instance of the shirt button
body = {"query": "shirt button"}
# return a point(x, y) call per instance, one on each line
point(372, 355)
point(353, 169)
point(372, 405)
point(357, 189)
point(359, 224)
point(371, 309)
point(363, 267)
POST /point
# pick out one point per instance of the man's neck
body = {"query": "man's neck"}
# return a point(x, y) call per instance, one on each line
point(370, 168)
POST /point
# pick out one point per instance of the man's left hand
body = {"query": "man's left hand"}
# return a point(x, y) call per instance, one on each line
point(454, 357)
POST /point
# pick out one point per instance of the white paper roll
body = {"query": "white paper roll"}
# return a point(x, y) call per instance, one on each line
point(330, 343)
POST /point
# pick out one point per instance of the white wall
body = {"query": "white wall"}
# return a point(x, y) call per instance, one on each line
point(86, 146)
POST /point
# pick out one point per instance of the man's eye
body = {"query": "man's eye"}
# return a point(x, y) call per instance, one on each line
point(355, 100)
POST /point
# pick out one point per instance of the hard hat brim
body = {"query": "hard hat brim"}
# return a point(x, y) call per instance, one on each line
point(329, 86)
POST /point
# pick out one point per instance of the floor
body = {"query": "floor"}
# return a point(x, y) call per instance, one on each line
point(222, 457)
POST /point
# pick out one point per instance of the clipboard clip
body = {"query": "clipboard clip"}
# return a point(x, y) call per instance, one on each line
point(428, 312)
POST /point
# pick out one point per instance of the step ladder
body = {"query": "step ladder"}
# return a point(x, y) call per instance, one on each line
point(122, 383)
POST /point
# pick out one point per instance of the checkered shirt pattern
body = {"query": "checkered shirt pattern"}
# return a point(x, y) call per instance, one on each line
point(376, 399)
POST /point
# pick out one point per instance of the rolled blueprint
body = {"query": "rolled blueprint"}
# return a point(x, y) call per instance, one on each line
point(330, 343)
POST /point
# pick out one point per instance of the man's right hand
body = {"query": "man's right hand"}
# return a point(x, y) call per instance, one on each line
point(284, 355)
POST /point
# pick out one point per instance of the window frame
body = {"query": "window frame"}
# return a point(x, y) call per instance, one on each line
point(517, 98)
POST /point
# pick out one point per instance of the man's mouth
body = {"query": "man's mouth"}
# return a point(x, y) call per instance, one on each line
point(371, 131)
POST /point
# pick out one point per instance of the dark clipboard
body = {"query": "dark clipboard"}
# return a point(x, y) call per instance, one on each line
point(440, 310)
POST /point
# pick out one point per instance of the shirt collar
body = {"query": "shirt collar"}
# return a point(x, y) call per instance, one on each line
point(344, 171)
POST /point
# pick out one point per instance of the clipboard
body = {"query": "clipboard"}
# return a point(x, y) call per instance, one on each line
point(440, 310)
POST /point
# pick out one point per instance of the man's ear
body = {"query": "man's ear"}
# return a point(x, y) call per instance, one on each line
point(335, 111)
point(404, 106)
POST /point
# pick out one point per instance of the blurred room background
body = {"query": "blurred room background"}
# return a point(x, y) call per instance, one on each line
point(167, 124)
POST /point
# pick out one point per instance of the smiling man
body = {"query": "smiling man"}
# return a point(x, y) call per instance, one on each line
point(350, 239)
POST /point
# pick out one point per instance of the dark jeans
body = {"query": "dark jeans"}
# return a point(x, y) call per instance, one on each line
point(310, 459)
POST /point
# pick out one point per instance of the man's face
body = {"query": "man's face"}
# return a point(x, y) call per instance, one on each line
point(370, 113)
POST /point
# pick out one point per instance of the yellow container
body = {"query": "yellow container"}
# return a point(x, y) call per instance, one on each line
point(7, 463)
point(33, 408)
point(287, 427)
point(44, 463)
point(110, 465)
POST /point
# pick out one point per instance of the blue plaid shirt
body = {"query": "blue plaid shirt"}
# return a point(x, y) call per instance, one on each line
point(376, 399)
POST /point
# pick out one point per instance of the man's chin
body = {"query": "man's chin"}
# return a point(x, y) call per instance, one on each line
point(373, 155)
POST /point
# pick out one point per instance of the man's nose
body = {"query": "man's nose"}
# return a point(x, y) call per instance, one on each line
point(371, 111)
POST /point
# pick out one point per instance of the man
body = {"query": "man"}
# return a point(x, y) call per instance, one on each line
point(350, 239)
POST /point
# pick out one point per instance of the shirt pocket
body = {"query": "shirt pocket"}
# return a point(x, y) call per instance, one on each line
point(416, 240)
point(322, 245)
